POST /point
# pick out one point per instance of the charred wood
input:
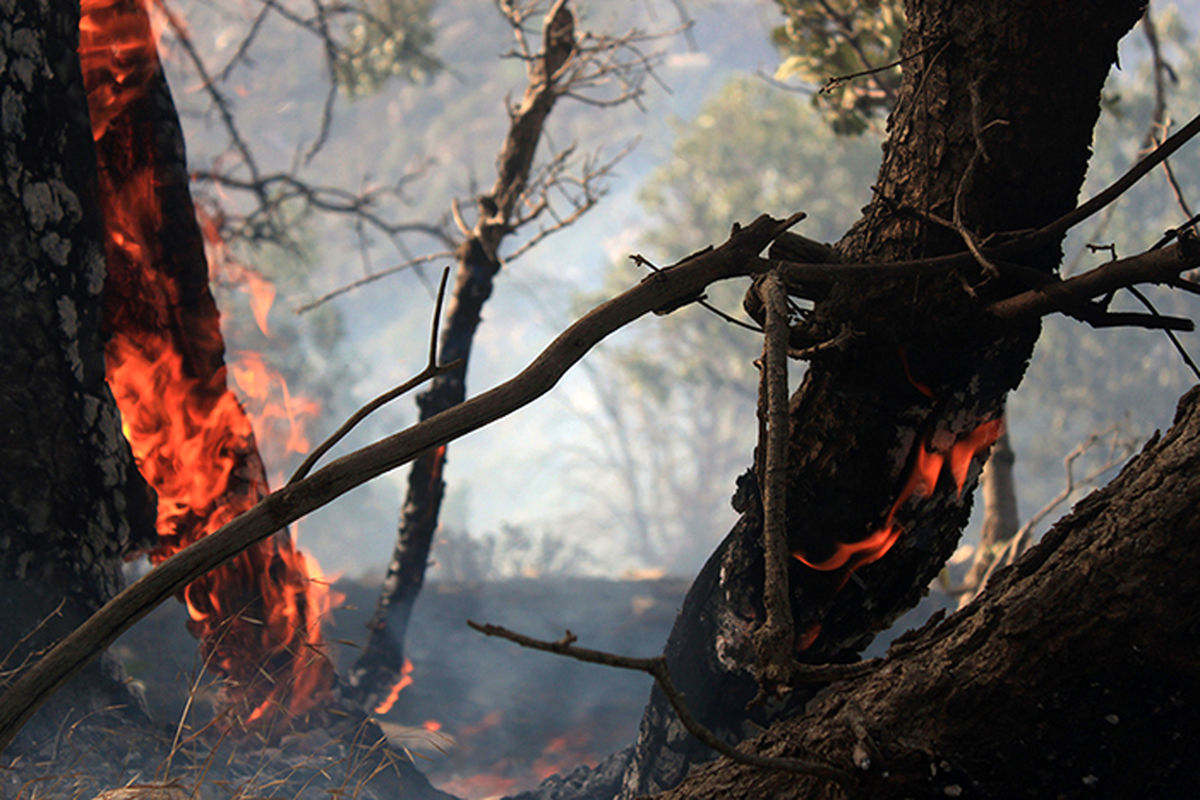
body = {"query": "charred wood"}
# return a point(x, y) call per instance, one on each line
point(1079, 663)
point(72, 504)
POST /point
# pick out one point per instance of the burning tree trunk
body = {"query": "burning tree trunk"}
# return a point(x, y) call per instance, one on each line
point(991, 133)
point(1006, 700)
point(258, 617)
point(72, 505)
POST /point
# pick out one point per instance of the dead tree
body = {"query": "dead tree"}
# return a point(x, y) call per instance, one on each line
point(565, 64)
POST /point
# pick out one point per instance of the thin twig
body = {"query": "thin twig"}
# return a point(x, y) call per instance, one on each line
point(1183, 353)
point(1119, 187)
point(5, 670)
point(657, 668)
point(699, 300)
point(374, 276)
point(832, 82)
point(1016, 545)
point(845, 335)
point(431, 370)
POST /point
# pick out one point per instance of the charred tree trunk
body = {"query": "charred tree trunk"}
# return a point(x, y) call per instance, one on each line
point(159, 311)
point(1006, 700)
point(382, 660)
point(991, 132)
point(72, 504)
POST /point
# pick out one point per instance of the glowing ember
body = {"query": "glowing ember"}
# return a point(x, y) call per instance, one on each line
point(920, 387)
point(806, 639)
point(563, 752)
point(921, 482)
point(479, 787)
point(259, 616)
point(490, 720)
point(431, 725)
point(405, 681)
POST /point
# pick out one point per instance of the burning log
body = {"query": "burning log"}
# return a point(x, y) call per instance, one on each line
point(258, 617)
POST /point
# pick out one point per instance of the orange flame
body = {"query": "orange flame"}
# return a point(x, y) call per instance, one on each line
point(921, 482)
point(479, 787)
point(564, 752)
point(258, 616)
point(404, 682)
point(490, 720)
point(224, 267)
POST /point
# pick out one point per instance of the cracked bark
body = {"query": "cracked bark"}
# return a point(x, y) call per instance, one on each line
point(1096, 699)
point(71, 501)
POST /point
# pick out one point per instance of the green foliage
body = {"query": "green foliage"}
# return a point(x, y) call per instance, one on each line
point(753, 149)
point(388, 38)
point(826, 39)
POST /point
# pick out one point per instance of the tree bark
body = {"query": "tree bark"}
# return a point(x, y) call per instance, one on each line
point(1075, 673)
point(992, 128)
point(72, 504)
point(382, 661)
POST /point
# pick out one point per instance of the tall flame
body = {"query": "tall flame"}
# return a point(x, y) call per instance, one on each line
point(258, 617)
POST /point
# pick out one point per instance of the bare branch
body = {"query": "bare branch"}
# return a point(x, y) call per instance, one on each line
point(278, 509)
point(1069, 296)
point(431, 371)
point(1122, 184)
point(657, 668)
point(374, 276)
point(775, 639)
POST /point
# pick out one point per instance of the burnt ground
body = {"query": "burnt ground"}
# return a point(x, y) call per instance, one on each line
point(506, 716)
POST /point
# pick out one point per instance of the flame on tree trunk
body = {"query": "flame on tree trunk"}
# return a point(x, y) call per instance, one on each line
point(258, 617)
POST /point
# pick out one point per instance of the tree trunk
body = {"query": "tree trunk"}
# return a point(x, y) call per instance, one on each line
point(996, 111)
point(72, 504)
point(382, 661)
point(1008, 700)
